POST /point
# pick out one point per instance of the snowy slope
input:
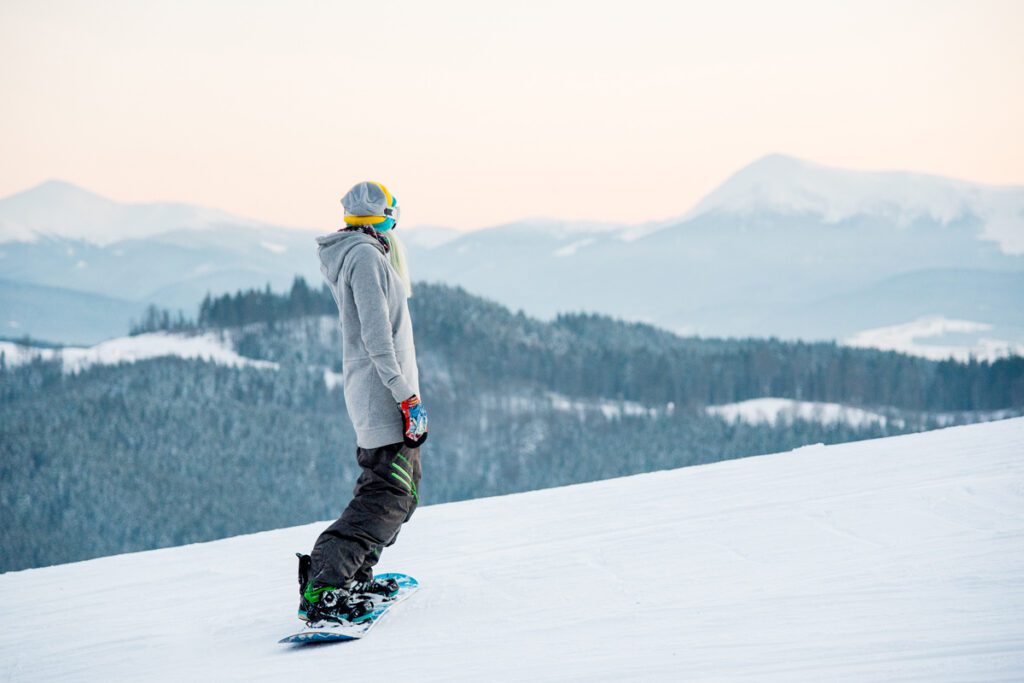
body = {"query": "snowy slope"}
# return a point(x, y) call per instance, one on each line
point(208, 347)
point(770, 410)
point(896, 559)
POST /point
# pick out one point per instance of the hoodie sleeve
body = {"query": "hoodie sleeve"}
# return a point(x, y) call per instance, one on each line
point(368, 281)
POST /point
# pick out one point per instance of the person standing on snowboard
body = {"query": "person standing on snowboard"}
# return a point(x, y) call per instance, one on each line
point(365, 268)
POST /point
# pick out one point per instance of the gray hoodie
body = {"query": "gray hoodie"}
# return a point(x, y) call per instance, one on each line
point(378, 355)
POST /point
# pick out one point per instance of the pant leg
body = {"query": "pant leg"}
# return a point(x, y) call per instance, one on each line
point(385, 497)
point(411, 462)
point(408, 460)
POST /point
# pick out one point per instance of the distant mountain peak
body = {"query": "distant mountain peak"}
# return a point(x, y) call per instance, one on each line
point(58, 185)
point(783, 185)
point(786, 184)
point(50, 185)
point(54, 191)
point(57, 208)
point(776, 162)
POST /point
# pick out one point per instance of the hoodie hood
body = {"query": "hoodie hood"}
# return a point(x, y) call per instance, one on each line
point(333, 248)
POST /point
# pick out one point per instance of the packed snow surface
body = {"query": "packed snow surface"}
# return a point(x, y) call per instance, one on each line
point(208, 347)
point(894, 559)
point(912, 338)
point(772, 410)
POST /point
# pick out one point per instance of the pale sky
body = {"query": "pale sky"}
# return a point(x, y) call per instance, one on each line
point(476, 114)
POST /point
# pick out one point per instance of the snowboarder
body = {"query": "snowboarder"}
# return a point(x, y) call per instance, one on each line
point(366, 269)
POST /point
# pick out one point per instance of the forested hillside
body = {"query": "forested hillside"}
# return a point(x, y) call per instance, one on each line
point(169, 451)
point(598, 356)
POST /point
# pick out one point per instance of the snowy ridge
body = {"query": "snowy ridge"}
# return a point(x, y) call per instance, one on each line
point(208, 347)
point(893, 559)
point(785, 185)
point(773, 410)
point(59, 209)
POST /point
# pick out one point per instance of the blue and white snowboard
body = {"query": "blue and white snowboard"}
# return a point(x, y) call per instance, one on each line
point(327, 631)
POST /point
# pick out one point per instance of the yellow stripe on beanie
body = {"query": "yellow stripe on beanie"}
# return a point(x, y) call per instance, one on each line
point(387, 194)
point(364, 220)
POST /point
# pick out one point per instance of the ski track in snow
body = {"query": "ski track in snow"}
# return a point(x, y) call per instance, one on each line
point(897, 559)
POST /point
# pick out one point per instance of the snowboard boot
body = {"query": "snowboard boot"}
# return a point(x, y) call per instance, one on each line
point(384, 588)
point(328, 603)
point(304, 564)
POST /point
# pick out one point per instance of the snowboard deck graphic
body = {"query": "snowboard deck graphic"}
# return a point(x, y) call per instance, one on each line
point(340, 632)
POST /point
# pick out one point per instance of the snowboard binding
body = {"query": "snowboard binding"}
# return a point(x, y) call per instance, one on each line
point(386, 589)
point(319, 604)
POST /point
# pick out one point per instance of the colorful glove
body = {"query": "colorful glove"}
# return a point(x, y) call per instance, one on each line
point(414, 418)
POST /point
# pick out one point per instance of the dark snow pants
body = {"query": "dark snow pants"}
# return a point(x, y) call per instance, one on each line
point(384, 499)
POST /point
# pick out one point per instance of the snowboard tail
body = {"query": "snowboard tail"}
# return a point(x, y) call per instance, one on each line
point(323, 632)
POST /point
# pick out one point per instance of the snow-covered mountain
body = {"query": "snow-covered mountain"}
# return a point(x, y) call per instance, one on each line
point(782, 185)
point(80, 266)
point(783, 247)
point(57, 209)
point(894, 559)
point(768, 253)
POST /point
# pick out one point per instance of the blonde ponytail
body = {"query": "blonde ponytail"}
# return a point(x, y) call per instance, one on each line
point(398, 258)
